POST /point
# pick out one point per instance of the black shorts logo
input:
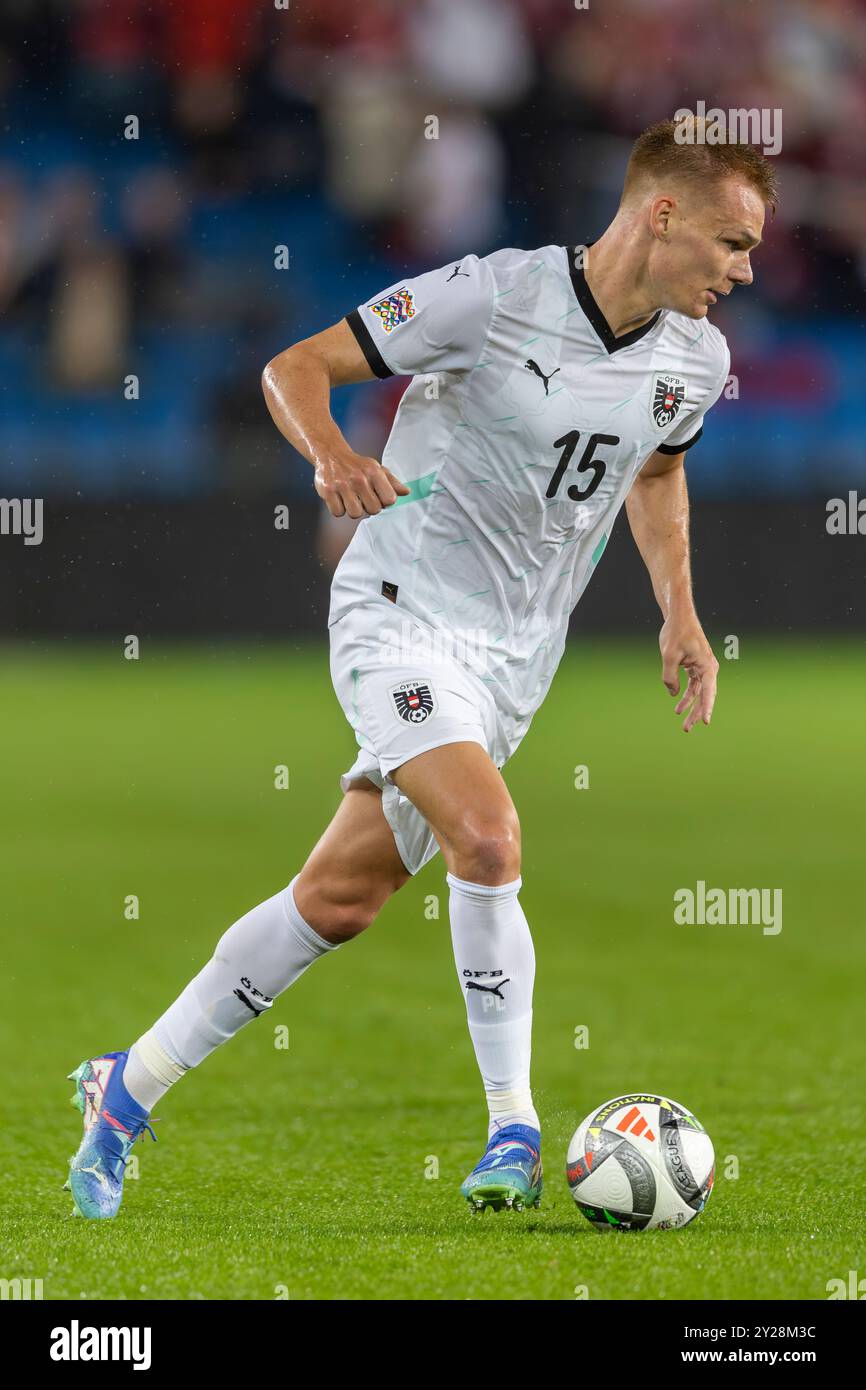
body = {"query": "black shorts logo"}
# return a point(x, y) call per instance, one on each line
point(669, 395)
point(414, 701)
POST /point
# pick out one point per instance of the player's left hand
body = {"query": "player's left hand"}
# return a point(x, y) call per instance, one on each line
point(683, 644)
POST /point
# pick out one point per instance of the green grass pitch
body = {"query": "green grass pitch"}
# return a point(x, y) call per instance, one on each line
point(304, 1171)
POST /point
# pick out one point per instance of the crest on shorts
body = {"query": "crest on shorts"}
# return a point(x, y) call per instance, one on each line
point(670, 392)
point(414, 701)
point(394, 309)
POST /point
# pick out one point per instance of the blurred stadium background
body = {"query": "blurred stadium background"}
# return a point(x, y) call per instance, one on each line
point(305, 127)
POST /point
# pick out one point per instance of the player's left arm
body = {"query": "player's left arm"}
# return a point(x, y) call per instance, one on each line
point(658, 513)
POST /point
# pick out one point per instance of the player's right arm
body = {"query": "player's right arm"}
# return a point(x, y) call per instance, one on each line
point(297, 387)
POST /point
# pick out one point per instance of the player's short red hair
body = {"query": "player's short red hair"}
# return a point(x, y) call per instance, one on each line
point(658, 155)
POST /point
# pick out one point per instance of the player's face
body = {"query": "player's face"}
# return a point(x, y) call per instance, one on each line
point(704, 251)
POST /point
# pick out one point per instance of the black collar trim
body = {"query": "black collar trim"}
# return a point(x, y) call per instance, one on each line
point(593, 313)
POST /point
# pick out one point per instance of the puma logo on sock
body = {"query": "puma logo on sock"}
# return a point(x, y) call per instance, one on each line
point(488, 989)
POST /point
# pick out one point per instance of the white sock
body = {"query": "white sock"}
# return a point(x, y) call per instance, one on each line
point(495, 962)
point(255, 960)
point(149, 1071)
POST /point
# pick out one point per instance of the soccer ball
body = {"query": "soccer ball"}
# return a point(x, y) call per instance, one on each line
point(640, 1163)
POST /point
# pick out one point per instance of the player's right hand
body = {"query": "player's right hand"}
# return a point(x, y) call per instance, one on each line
point(355, 486)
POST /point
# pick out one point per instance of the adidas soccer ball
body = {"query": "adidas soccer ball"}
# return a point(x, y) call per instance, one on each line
point(640, 1163)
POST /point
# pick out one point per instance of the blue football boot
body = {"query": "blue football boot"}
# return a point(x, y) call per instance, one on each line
point(112, 1123)
point(509, 1173)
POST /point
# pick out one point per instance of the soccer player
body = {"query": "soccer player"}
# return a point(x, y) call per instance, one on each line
point(550, 387)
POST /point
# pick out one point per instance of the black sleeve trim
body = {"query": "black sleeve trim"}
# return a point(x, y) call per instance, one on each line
point(375, 360)
point(680, 448)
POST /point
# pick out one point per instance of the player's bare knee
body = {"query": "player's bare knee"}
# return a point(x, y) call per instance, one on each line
point(338, 921)
point(487, 851)
point(340, 909)
point(347, 922)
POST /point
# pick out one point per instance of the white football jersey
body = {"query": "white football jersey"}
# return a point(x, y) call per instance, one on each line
point(520, 437)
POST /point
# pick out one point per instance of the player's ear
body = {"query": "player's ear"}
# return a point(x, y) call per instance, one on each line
point(660, 216)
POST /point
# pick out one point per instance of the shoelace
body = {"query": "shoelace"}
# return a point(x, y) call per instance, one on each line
point(134, 1125)
point(528, 1154)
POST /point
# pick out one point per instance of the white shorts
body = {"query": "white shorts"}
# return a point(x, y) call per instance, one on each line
point(404, 692)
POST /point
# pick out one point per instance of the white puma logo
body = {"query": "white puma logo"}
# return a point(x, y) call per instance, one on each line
point(96, 1173)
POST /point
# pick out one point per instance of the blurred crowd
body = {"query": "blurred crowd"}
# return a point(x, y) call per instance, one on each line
point(371, 137)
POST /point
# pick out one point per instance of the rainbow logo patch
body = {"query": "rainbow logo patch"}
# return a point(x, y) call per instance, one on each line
point(394, 309)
